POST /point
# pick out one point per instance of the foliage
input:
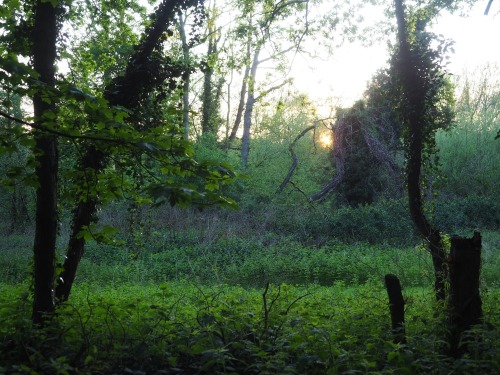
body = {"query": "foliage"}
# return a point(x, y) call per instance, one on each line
point(468, 151)
point(177, 328)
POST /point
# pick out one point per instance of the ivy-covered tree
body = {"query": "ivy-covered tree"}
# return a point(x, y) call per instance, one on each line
point(423, 110)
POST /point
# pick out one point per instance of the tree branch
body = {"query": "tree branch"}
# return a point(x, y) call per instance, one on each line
point(6, 115)
point(264, 93)
point(295, 160)
point(276, 55)
point(487, 10)
point(63, 134)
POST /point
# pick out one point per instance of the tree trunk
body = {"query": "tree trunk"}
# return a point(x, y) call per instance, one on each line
point(247, 118)
point(415, 92)
point(243, 94)
point(19, 216)
point(44, 55)
point(465, 299)
point(397, 307)
point(83, 215)
point(122, 91)
point(186, 77)
point(210, 100)
point(209, 110)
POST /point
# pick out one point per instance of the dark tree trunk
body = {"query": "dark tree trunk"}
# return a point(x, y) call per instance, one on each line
point(83, 215)
point(465, 300)
point(415, 95)
point(396, 307)
point(44, 55)
point(124, 91)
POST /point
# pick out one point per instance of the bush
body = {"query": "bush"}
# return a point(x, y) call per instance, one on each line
point(472, 212)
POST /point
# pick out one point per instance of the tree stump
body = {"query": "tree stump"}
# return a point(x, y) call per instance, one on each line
point(465, 300)
point(397, 308)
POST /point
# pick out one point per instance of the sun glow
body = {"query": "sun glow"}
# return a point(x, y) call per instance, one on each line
point(326, 140)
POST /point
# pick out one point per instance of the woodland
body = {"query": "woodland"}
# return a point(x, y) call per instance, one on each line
point(170, 203)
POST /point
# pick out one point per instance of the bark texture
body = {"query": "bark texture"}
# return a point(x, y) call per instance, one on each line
point(465, 299)
point(44, 55)
point(396, 307)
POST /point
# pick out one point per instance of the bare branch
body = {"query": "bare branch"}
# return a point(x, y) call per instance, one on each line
point(264, 93)
point(337, 179)
point(276, 55)
point(294, 157)
point(487, 10)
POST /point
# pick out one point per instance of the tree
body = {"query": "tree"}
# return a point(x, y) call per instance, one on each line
point(101, 127)
point(45, 33)
point(258, 23)
point(421, 79)
point(210, 119)
point(182, 18)
point(123, 91)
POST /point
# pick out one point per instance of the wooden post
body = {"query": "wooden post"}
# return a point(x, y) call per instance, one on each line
point(465, 300)
point(397, 308)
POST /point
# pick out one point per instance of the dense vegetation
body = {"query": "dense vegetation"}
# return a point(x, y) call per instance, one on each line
point(171, 278)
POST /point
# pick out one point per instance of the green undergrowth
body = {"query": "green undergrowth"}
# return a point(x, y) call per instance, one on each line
point(175, 256)
point(237, 261)
point(185, 328)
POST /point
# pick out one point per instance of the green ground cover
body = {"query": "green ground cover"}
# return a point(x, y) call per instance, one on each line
point(183, 306)
point(185, 328)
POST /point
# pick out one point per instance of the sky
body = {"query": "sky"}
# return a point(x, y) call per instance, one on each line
point(345, 75)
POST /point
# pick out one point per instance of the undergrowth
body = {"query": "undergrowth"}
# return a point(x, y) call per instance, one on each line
point(184, 328)
point(197, 301)
point(168, 256)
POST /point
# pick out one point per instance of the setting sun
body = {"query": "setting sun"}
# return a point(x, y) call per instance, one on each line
point(326, 140)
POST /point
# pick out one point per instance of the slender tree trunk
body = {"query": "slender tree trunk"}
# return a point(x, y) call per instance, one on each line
point(243, 94)
point(122, 91)
point(83, 215)
point(186, 76)
point(415, 91)
point(247, 119)
point(228, 102)
point(185, 104)
point(44, 55)
point(209, 110)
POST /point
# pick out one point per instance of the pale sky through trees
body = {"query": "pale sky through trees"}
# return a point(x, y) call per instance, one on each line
point(345, 75)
